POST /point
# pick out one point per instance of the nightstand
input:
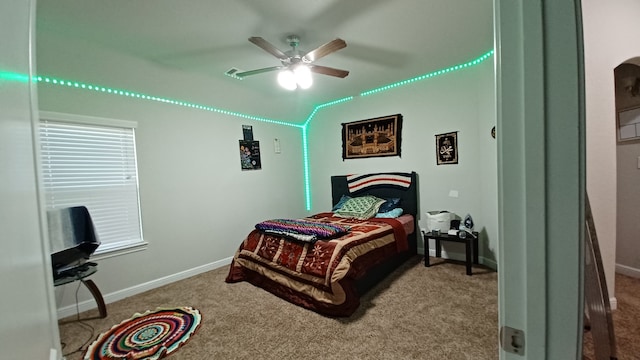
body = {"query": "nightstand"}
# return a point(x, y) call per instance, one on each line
point(471, 247)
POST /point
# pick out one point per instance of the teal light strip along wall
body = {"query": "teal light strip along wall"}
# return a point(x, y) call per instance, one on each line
point(127, 93)
point(430, 75)
point(330, 103)
point(10, 76)
point(305, 159)
point(305, 147)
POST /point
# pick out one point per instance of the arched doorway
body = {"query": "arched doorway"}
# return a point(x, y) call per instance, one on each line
point(627, 103)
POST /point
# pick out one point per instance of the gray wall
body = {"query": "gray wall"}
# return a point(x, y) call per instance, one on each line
point(628, 206)
point(196, 203)
point(610, 38)
point(461, 101)
point(28, 329)
point(628, 227)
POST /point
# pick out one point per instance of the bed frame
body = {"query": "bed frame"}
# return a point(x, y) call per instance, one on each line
point(409, 201)
point(364, 272)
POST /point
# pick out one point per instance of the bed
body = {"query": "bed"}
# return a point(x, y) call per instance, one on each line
point(328, 272)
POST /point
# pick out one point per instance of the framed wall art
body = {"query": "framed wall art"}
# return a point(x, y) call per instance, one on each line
point(447, 148)
point(381, 136)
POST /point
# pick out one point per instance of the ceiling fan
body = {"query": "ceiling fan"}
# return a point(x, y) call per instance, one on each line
point(294, 60)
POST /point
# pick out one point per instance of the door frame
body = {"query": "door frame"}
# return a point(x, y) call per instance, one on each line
point(541, 174)
point(540, 102)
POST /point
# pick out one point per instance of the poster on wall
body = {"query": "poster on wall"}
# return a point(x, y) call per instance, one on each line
point(250, 155)
point(375, 137)
point(247, 132)
point(447, 148)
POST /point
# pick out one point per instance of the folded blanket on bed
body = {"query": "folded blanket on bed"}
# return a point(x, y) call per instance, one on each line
point(310, 230)
point(292, 235)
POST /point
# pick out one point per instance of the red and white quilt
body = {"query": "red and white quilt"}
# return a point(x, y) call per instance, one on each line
point(319, 275)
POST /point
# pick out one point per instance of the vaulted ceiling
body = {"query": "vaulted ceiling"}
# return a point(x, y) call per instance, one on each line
point(387, 41)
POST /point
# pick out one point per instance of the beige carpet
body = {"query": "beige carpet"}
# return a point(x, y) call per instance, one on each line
point(626, 321)
point(415, 313)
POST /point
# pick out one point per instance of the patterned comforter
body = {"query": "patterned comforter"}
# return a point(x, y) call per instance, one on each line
point(319, 276)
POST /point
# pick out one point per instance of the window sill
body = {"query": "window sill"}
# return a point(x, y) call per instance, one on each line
point(120, 250)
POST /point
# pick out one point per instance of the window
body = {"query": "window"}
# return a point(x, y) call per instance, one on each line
point(92, 162)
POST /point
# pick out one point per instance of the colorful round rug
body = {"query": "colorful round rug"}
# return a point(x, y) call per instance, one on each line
point(152, 335)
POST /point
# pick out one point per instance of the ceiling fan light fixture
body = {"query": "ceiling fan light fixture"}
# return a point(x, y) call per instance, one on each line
point(297, 67)
point(287, 79)
point(303, 76)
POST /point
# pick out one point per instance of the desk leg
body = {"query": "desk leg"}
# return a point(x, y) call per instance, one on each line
point(467, 245)
point(438, 248)
point(475, 250)
point(426, 251)
point(97, 296)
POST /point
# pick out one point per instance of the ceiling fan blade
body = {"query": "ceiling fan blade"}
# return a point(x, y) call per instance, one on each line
point(257, 71)
point(324, 50)
point(324, 70)
point(268, 47)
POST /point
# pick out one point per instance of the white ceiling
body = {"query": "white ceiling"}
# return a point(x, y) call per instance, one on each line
point(387, 40)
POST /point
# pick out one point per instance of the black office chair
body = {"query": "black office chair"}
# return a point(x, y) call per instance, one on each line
point(72, 237)
point(73, 240)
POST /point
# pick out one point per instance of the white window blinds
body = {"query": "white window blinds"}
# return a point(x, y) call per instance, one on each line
point(94, 165)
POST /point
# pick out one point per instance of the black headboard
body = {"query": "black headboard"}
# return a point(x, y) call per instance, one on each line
point(408, 197)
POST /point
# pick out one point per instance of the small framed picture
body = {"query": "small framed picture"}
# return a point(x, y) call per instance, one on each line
point(247, 132)
point(250, 155)
point(447, 148)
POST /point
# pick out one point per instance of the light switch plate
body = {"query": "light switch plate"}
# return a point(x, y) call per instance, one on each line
point(276, 146)
point(453, 193)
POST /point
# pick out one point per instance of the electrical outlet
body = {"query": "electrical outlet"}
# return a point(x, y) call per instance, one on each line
point(453, 193)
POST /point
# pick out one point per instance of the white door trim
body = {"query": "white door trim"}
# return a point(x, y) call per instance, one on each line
point(541, 171)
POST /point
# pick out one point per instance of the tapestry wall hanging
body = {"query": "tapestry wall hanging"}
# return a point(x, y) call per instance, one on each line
point(372, 137)
point(250, 155)
point(447, 148)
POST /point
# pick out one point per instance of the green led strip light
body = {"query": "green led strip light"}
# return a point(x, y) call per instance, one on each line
point(305, 148)
point(430, 75)
point(307, 183)
point(330, 103)
point(11, 76)
point(103, 89)
point(305, 159)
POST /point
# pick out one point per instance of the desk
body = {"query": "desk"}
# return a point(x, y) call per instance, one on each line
point(81, 274)
point(471, 247)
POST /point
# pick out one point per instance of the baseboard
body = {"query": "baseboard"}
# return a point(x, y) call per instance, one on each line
point(137, 289)
point(460, 257)
point(628, 270)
